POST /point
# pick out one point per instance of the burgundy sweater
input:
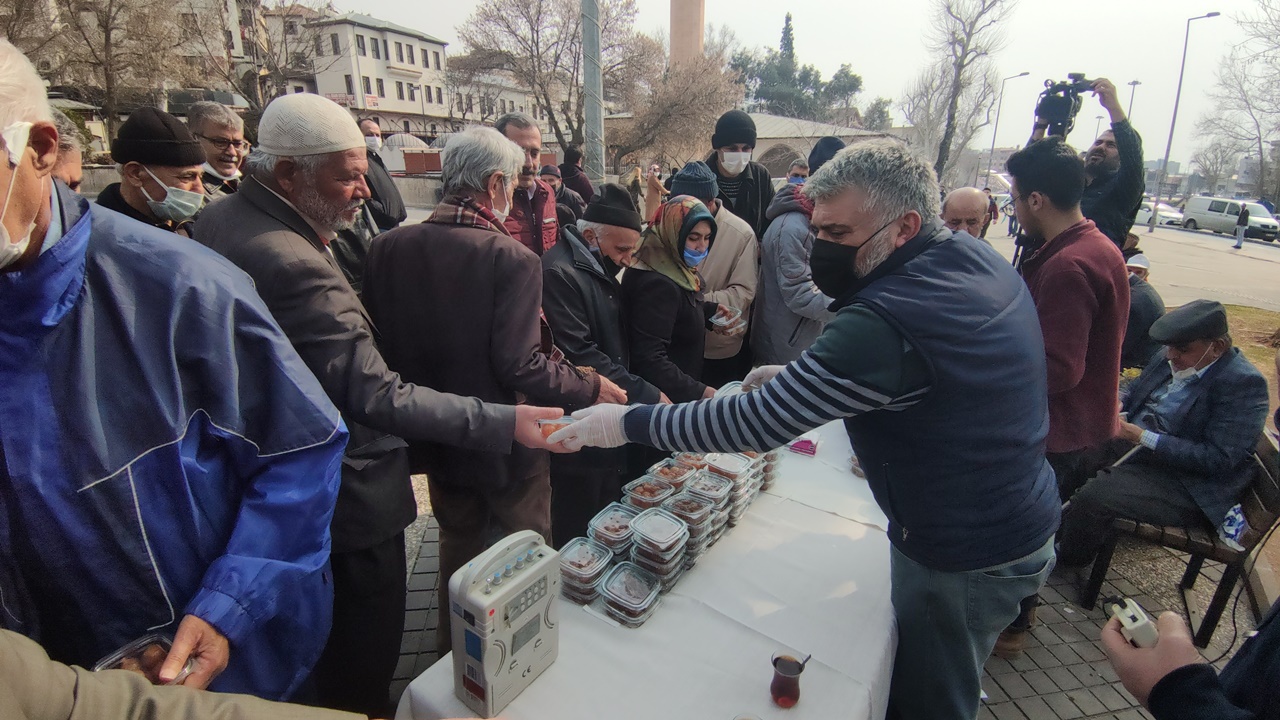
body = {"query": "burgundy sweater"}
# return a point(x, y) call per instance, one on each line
point(1081, 290)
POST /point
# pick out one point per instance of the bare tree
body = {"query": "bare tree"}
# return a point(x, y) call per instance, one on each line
point(475, 86)
point(542, 41)
point(1245, 113)
point(925, 105)
point(119, 45)
point(33, 27)
point(672, 117)
point(1215, 160)
point(964, 34)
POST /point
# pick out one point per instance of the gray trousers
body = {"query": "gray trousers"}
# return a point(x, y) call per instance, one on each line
point(948, 623)
point(1134, 490)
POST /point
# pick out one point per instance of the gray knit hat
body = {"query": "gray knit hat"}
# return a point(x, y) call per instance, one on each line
point(696, 180)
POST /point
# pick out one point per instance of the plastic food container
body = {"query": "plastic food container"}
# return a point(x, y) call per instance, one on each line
point(690, 508)
point(580, 594)
point(672, 473)
point(661, 569)
point(730, 466)
point(611, 527)
point(584, 561)
point(647, 492)
point(712, 487)
point(733, 387)
point(549, 426)
point(630, 592)
point(726, 316)
point(145, 656)
point(659, 530)
point(671, 580)
point(691, 459)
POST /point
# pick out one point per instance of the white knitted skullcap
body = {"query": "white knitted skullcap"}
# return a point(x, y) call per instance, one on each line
point(1138, 261)
point(307, 124)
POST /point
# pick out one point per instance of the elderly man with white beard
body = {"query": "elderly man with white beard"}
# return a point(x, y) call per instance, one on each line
point(305, 184)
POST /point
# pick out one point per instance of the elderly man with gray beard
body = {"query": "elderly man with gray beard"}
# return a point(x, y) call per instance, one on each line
point(306, 183)
point(934, 364)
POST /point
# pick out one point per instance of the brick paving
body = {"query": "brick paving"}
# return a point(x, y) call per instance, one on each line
point(1062, 674)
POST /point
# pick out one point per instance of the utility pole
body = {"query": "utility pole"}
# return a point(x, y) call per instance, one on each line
point(593, 89)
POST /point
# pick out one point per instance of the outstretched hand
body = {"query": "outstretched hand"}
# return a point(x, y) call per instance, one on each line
point(1141, 668)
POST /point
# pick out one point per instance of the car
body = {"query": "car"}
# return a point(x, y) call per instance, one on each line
point(1219, 215)
point(1168, 214)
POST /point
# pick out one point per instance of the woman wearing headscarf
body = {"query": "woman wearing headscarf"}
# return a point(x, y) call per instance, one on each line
point(662, 299)
point(635, 185)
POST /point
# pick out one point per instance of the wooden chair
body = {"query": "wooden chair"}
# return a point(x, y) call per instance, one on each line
point(1261, 505)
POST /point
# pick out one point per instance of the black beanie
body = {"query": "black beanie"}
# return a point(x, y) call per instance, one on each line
point(823, 150)
point(154, 137)
point(613, 206)
point(733, 128)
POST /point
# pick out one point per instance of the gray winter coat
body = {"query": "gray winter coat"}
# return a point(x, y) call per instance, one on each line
point(789, 311)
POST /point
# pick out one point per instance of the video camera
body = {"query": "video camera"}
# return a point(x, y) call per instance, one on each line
point(1060, 102)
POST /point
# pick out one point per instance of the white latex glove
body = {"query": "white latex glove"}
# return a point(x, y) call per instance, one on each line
point(761, 375)
point(596, 426)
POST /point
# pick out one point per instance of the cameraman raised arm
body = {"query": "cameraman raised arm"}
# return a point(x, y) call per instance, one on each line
point(1113, 169)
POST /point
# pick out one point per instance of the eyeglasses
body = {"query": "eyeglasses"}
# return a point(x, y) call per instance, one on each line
point(223, 143)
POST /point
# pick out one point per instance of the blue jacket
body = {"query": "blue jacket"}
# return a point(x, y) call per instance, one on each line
point(165, 452)
point(961, 474)
point(1212, 436)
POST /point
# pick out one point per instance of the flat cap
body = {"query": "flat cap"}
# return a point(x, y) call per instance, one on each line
point(1197, 320)
point(549, 170)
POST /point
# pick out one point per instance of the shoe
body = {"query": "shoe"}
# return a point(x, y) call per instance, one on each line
point(1009, 644)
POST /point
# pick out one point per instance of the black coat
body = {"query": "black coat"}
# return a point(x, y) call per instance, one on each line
point(755, 198)
point(572, 200)
point(1145, 307)
point(667, 329)
point(583, 306)
point(386, 205)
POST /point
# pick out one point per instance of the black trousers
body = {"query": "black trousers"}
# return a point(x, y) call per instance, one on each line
point(1073, 469)
point(715, 373)
point(1146, 493)
point(355, 670)
point(582, 484)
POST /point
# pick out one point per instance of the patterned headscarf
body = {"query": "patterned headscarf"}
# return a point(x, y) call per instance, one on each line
point(662, 246)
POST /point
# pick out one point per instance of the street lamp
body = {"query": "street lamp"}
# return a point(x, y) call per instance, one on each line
point(992, 154)
point(1133, 88)
point(1164, 167)
point(1097, 126)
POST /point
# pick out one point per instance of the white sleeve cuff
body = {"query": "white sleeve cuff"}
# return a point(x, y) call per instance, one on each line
point(1149, 439)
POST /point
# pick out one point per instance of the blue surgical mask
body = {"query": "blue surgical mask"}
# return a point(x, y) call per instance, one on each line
point(796, 180)
point(694, 259)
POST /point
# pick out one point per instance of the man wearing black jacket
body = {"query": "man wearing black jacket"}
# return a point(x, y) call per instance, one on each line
point(745, 186)
point(1114, 176)
point(385, 203)
point(580, 298)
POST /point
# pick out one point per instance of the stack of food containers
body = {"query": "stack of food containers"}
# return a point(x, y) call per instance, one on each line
point(746, 475)
point(715, 489)
point(582, 563)
point(630, 593)
point(612, 528)
point(672, 472)
point(659, 540)
point(696, 512)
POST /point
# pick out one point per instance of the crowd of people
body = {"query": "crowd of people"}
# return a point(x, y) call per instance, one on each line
point(221, 374)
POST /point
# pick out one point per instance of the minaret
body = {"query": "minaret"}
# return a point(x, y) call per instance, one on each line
point(688, 23)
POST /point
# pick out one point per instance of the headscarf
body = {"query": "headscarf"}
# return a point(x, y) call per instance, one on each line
point(662, 246)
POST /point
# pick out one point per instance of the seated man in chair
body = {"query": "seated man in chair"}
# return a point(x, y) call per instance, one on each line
point(1193, 421)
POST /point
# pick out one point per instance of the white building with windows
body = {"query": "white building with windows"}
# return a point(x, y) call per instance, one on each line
point(383, 71)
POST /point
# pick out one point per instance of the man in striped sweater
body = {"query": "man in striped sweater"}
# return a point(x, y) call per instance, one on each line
point(936, 366)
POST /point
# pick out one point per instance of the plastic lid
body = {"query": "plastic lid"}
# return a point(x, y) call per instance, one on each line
point(631, 586)
point(658, 527)
point(728, 464)
point(614, 521)
point(584, 558)
point(688, 505)
point(651, 489)
point(712, 487)
point(692, 459)
point(726, 317)
point(671, 472)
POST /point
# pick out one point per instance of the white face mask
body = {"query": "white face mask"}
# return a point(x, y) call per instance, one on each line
point(1181, 376)
point(178, 205)
point(735, 162)
point(214, 172)
point(15, 141)
point(373, 142)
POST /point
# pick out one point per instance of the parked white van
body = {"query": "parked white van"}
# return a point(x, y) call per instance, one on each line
point(1219, 215)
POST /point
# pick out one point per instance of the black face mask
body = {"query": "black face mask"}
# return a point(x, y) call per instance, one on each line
point(834, 266)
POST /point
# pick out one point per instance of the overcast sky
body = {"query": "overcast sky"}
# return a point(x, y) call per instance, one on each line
point(1119, 39)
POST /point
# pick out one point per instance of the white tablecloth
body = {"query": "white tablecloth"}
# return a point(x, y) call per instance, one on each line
point(806, 570)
